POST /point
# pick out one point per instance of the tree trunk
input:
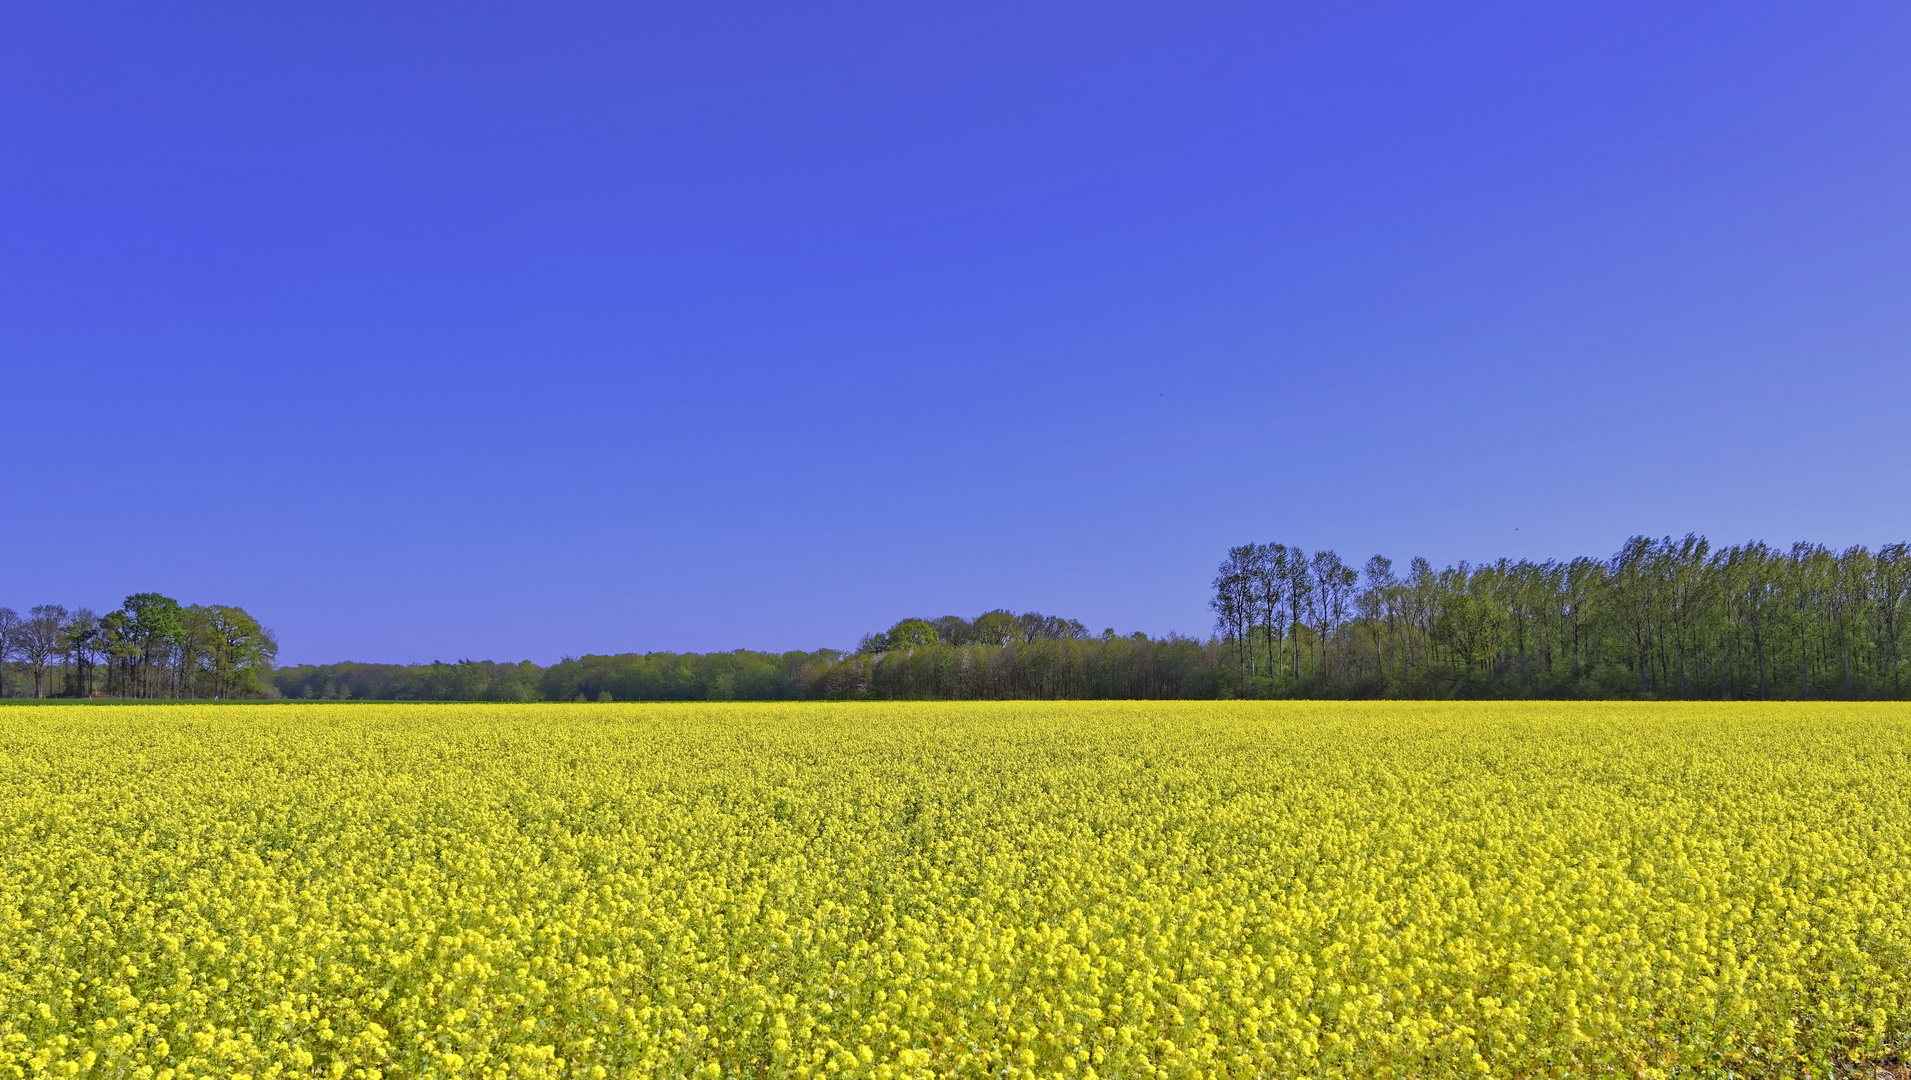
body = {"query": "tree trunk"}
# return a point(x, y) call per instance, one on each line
point(1804, 667)
point(1758, 657)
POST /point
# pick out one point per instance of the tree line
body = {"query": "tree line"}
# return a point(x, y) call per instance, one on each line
point(998, 654)
point(1661, 618)
point(150, 647)
point(738, 675)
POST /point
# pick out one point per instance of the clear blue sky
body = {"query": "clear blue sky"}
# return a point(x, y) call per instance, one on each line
point(510, 332)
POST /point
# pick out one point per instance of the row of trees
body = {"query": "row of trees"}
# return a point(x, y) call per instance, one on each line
point(732, 676)
point(466, 680)
point(998, 654)
point(740, 675)
point(150, 647)
point(1662, 618)
point(1046, 667)
point(1073, 666)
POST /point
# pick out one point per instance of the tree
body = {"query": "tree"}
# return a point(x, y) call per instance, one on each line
point(1268, 589)
point(1751, 574)
point(153, 625)
point(1297, 585)
point(1638, 575)
point(1689, 596)
point(79, 639)
point(997, 627)
point(953, 630)
point(1420, 599)
point(1849, 596)
point(1890, 599)
point(40, 644)
point(120, 645)
point(1234, 598)
point(1334, 583)
point(1376, 606)
point(1467, 621)
point(9, 642)
point(1036, 626)
point(910, 633)
point(236, 653)
point(1809, 577)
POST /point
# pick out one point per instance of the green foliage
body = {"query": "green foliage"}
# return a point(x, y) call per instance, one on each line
point(996, 627)
point(910, 633)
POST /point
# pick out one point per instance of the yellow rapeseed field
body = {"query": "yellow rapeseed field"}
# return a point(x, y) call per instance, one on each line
point(1003, 890)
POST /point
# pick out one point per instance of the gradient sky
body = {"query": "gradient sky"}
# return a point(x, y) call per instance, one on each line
point(467, 330)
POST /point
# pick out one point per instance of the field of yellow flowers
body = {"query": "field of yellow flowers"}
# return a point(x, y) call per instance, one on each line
point(915, 890)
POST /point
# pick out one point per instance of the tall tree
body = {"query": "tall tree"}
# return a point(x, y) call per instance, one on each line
point(234, 654)
point(9, 643)
point(1638, 579)
point(954, 630)
point(1334, 583)
point(120, 644)
point(1808, 575)
point(1890, 599)
point(1850, 595)
point(153, 626)
point(1297, 584)
point(40, 644)
point(1753, 576)
point(1233, 600)
point(1267, 592)
point(1376, 606)
point(1688, 595)
point(913, 633)
point(996, 627)
point(79, 638)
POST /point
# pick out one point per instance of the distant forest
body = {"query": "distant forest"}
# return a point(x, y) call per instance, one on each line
point(1661, 619)
point(1013, 656)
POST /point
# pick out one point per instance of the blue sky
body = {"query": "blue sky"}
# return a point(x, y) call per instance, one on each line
point(515, 332)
